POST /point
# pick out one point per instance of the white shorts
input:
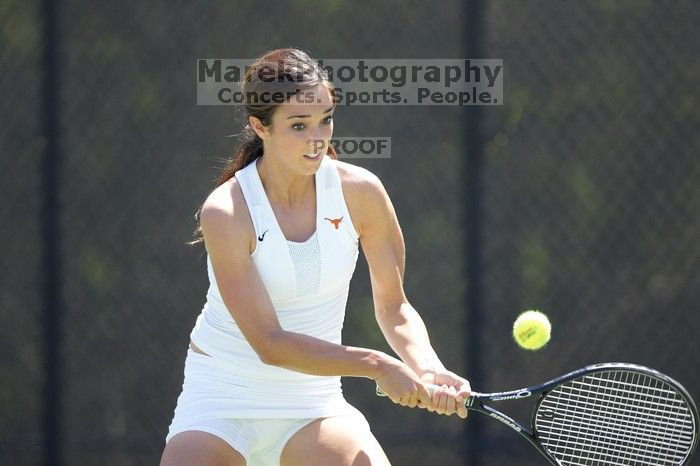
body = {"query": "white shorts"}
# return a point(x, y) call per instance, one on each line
point(260, 441)
point(205, 405)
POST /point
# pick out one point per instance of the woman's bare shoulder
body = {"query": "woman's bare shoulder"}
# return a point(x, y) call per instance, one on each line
point(356, 178)
point(223, 200)
point(225, 209)
point(364, 194)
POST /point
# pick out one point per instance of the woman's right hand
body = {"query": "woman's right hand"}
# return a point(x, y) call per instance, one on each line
point(402, 385)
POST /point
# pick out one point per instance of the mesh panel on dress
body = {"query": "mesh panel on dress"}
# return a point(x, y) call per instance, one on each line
point(306, 258)
point(328, 178)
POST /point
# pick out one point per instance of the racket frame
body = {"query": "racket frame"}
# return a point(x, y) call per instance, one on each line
point(476, 401)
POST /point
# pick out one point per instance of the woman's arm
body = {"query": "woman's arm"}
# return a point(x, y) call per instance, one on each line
point(229, 238)
point(403, 328)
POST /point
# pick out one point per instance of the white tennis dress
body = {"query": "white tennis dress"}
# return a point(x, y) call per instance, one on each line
point(308, 284)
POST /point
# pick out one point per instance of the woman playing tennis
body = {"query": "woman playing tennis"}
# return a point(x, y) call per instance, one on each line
point(281, 231)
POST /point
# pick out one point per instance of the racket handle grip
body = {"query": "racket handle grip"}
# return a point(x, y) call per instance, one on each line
point(430, 387)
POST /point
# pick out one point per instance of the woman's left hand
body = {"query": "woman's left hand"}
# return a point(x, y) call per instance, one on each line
point(449, 397)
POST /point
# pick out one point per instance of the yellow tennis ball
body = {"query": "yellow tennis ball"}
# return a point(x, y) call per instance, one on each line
point(532, 330)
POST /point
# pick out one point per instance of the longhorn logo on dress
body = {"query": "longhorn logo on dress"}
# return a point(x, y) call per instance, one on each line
point(335, 221)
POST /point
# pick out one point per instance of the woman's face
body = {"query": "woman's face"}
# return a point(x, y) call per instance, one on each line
point(300, 132)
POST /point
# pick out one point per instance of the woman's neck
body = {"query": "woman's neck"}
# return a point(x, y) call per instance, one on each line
point(282, 187)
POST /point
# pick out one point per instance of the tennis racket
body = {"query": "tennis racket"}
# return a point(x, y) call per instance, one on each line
point(605, 414)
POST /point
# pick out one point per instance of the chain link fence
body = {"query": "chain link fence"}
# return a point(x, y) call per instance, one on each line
point(590, 192)
point(590, 198)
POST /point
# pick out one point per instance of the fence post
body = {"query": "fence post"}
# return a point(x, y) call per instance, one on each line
point(473, 30)
point(50, 216)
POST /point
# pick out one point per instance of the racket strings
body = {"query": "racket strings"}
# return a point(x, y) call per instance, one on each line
point(621, 406)
point(610, 431)
point(600, 426)
point(615, 417)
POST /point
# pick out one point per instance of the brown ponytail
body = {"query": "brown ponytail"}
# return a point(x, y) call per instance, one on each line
point(248, 152)
point(296, 71)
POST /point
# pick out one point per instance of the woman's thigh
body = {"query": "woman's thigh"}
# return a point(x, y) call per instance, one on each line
point(335, 441)
point(195, 448)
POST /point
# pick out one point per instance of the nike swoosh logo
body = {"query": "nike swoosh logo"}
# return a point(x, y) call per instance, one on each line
point(262, 237)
